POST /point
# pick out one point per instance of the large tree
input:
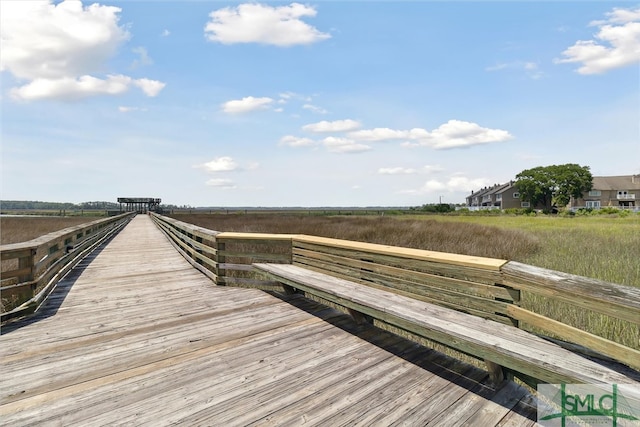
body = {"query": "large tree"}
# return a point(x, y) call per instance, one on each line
point(553, 185)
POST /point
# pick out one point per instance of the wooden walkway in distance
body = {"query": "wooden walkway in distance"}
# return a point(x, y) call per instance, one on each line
point(136, 336)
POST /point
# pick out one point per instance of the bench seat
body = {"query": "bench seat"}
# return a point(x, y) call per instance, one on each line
point(500, 345)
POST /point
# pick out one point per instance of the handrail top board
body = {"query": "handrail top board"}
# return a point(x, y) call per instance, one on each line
point(595, 294)
point(255, 236)
point(417, 254)
point(187, 226)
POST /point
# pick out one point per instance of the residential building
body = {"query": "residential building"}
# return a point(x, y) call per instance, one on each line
point(611, 191)
point(498, 196)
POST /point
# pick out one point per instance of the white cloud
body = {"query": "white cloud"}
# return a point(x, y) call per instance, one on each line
point(259, 23)
point(149, 87)
point(246, 104)
point(457, 134)
point(124, 109)
point(315, 109)
point(335, 126)
point(616, 44)
point(455, 183)
point(165, 33)
point(530, 68)
point(462, 183)
point(344, 145)
point(70, 88)
point(294, 141)
point(220, 164)
point(42, 40)
point(221, 183)
point(453, 134)
point(433, 185)
point(144, 59)
point(287, 96)
point(396, 171)
point(56, 48)
point(427, 169)
point(619, 16)
point(378, 134)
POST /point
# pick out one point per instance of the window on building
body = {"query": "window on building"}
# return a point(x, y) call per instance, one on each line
point(516, 195)
point(595, 193)
point(593, 204)
point(525, 205)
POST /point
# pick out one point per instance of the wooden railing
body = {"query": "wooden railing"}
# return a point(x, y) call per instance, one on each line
point(31, 269)
point(491, 288)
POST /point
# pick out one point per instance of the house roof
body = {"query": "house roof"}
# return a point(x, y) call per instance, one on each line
point(504, 187)
point(495, 189)
point(480, 192)
point(608, 183)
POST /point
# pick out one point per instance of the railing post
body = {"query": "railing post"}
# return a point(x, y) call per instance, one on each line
point(27, 262)
point(516, 299)
point(220, 260)
point(199, 251)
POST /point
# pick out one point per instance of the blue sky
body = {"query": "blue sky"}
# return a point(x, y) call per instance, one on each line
point(329, 103)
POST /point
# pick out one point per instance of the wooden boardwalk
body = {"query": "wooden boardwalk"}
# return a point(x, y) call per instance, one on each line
point(136, 336)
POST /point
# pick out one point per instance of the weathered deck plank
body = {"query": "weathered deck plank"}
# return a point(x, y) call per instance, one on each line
point(134, 335)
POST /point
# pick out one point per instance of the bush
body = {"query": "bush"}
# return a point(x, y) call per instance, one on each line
point(520, 211)
point(438, 208)
point(584, 211)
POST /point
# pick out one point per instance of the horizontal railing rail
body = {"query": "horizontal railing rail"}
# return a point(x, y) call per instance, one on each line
point(491, 288)
point(31, 269)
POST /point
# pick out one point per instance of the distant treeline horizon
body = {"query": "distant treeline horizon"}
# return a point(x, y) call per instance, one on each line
point(39, 205)
point(103, 205)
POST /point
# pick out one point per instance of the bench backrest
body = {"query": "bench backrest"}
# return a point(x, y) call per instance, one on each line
point(464, 283)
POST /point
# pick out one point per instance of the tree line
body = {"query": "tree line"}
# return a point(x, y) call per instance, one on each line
point(37, 205)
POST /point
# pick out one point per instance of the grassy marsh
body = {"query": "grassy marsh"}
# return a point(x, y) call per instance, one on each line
point(22, 228)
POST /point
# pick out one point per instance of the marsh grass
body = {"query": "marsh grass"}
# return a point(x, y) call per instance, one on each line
point(601, 247)
point(429, 234)
point(21, 229)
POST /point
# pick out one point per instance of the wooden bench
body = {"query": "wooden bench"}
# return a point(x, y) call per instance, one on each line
point(465, 283)
point(505, 348)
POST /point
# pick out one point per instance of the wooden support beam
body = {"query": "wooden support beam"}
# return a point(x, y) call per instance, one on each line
point(359, 317)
